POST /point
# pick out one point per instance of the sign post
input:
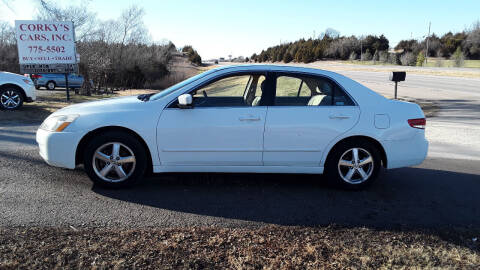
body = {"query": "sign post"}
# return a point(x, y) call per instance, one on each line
point(46, 47)
point(397, 76)
point(66, 85)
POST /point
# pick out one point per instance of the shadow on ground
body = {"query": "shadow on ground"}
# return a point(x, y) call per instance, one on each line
point(403, 198)
point(460, 109)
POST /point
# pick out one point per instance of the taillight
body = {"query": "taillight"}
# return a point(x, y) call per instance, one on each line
point(36, 76)
point(417, 123)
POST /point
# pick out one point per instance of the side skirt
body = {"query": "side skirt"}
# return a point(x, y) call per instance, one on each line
point(239, 169)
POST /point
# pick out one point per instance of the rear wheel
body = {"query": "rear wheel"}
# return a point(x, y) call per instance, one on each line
point(115, 159)
point(353, 164)
point(11, 98)
point(51, 85)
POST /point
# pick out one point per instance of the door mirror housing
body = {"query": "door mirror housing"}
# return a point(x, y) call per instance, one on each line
point(185, 101)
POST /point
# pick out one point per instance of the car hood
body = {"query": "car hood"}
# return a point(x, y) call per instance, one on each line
point(102, 106)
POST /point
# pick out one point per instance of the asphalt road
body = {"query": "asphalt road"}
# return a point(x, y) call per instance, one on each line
point(439, 193)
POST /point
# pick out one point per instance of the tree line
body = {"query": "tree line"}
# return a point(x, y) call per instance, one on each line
point(330, 45)
point(116, 53)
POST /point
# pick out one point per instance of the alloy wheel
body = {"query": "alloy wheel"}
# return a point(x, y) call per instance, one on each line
point(114, 162)
point(10, 99)
point(355, 166)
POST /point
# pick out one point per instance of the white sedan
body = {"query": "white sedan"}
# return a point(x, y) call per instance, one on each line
point(248, 119)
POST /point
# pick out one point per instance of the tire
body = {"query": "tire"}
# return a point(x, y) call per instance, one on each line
point(103, 169)
point(343, 171)
point(51, 85)
point(10, 98)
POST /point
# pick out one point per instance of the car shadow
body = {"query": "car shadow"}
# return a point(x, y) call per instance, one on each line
point(411, 198)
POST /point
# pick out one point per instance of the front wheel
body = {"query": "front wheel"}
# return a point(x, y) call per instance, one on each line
point(354, 164)
point(115, 159)
point(10, 99)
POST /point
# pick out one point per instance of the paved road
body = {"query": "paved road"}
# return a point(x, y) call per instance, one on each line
point(439, 193)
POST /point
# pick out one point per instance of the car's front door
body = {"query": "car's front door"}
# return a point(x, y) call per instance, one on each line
point(308, 113)
point(224, 128)
point(75, 80)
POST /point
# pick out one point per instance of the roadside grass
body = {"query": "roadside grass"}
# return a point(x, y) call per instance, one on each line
point(271, 247)
point(48, 103)
point(432, 62)
point(472, 66)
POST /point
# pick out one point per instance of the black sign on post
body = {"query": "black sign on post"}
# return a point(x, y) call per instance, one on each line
point(48, 68)
point(397, 76)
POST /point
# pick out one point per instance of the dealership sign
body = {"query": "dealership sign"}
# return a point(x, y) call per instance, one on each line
point(46, 46)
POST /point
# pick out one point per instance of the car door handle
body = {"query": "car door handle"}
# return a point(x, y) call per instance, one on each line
point(249, 118)
point(339, 116)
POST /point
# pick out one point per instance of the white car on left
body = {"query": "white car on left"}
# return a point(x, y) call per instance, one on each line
point(15, 89)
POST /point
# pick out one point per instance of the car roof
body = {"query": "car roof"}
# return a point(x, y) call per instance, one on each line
point(285, 68)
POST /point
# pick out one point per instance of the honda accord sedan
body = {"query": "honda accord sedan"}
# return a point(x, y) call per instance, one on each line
point(240, 119)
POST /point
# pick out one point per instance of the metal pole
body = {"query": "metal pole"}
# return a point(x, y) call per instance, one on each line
point(361, 48)
point(428, 37)
point(396, 90)
point(66, 85)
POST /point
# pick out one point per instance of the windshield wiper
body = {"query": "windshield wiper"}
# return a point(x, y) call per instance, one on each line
point(145, 97)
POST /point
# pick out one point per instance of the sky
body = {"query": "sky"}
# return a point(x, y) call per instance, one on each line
point(218, 28)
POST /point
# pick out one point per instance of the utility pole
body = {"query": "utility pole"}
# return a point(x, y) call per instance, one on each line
point(361, 48)
point(428, 37)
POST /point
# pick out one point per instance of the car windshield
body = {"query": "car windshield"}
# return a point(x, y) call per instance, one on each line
point(181, 84)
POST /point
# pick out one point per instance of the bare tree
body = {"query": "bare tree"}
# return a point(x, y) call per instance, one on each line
point(7, 34)
point(472, 43)
point(83, 19)
point(131, 23)
point(8, 48)
point(114, 53)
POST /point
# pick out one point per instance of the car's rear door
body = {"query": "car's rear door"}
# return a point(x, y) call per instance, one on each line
point(308, 113)
point(222, 128)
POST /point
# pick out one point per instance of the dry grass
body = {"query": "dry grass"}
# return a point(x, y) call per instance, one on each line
point(385, 67)
point(271, 247)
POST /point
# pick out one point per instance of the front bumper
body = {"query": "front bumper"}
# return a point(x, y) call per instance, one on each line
point(31, 96)
point(58, 148)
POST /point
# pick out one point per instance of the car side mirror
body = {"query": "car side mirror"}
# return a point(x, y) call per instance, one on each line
point(185, 101)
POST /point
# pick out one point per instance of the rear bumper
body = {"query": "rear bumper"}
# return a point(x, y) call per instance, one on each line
point(404, 153)
point(58, 148)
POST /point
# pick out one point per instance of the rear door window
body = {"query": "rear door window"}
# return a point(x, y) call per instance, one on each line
point(293, 90)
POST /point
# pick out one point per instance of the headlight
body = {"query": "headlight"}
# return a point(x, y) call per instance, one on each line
point(58, 123)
